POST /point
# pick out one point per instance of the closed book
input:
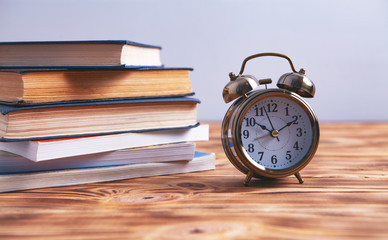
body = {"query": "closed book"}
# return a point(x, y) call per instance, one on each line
point(22, 181)
point(12, 163)
point(45, 150)
point(55, 85)
point(49, 121)
point(119, 53)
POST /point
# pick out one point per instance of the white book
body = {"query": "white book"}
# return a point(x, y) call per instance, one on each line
point(14, 182)
point(12, 163)
point(54, 149)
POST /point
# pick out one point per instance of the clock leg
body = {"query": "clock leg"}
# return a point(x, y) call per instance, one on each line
point(248, 178)
point(300, 179)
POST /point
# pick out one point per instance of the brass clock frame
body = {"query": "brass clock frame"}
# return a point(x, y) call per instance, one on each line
point(232, 143)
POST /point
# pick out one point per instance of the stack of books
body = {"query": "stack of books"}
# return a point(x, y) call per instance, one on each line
point(94, 111)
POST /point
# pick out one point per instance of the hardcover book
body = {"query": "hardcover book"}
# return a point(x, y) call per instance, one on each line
point(119, 53)
point(22, 181)
point(54, 85)
point(64, 120)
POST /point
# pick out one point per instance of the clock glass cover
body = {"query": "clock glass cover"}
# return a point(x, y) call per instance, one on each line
point(276, 132)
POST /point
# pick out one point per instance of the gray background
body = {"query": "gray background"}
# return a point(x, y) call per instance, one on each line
point(341, 44)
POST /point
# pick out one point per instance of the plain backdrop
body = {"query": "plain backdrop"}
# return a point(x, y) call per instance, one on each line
point(342, 44)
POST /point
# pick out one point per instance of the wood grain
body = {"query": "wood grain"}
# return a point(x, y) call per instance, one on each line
point(345, 196)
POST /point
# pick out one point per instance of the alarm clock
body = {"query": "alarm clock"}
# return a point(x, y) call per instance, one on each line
point(269, 132)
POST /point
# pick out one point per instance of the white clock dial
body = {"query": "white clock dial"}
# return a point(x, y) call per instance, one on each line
point(276, 133)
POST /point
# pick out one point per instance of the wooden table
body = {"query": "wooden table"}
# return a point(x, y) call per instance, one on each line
point(345, 196)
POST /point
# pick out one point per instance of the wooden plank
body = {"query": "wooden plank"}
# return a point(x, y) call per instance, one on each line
point(345, 196)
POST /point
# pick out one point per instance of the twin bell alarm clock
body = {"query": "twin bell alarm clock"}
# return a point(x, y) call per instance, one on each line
point(269, 132)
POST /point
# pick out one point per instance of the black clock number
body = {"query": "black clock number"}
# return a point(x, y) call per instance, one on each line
point(259, 113)
point(288, 155)
point(295, 119)
point(251, 148)
point(299, 132)
point(261, 154)
point(272, 107)
point(246, 134)
point(296, 146)
point(250, 122)
point(274, 159)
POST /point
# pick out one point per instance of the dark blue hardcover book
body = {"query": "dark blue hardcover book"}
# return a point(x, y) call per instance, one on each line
point(79, 119)
point(113, 53)
point(52, 85)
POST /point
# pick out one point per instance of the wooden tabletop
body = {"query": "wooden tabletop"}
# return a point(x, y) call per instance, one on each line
point(345, 196)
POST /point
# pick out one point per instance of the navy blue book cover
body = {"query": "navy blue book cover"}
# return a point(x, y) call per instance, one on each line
point(6, 109)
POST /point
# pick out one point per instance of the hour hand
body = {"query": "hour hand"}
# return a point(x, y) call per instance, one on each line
point(263, 127)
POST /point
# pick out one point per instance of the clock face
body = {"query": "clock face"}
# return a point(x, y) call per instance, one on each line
point(276, 132)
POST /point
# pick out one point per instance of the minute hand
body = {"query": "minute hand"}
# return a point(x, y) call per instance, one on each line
point(270, 122)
